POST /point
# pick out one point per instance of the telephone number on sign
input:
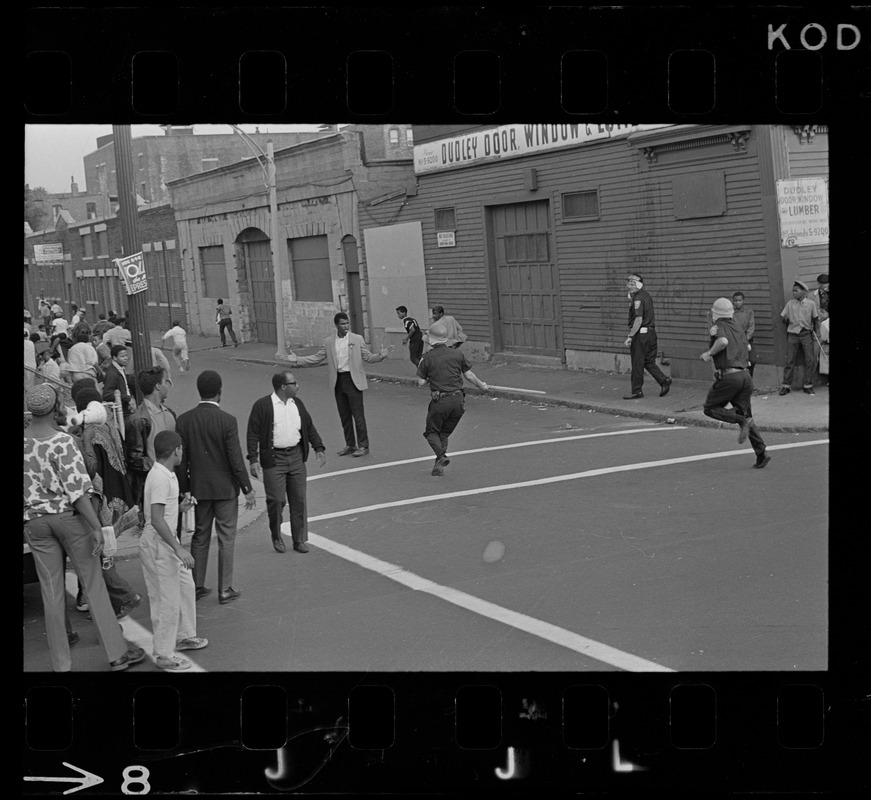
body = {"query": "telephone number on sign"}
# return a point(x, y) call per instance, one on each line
point(810, 232)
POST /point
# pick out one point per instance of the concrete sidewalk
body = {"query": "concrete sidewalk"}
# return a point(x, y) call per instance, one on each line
point(586, 390)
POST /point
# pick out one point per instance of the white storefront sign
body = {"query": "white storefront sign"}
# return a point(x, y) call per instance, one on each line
point(803, 209)
point(446, 238)
point(510, 141)
point(49, 255)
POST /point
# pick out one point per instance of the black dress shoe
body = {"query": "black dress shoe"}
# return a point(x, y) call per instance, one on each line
point(202, 591)
point(300, 547)
point(361, 451)
point(808, 390)
point(347, 451)
point(278, 544)
point(229, 596)
point(784, 390)
point(666, 386)
point(633, 396)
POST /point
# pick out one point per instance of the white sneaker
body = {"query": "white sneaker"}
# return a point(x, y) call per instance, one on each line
point(194, 643)
point(172, 662)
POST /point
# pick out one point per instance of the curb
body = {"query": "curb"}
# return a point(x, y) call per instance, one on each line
point(655, 416)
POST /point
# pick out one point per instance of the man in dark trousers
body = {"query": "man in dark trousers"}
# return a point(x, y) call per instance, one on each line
point(213, 471)
point(732, 381)
point(641, 339)
point(222, 314)
point(413, 335)
point(280, 433)
point(345, 353)
point(116, 378)
point(443, 369)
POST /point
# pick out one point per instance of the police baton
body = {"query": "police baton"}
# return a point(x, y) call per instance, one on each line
point(515, 389)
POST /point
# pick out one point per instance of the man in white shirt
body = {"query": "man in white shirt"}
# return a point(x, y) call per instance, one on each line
point(344, 353)
point(280, 433)
point(179, 345)
point(59, 324)
point(82, 358)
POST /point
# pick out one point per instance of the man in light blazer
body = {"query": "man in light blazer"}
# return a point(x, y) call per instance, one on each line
point(280, 434)
point(213, 470)
point(345, 353)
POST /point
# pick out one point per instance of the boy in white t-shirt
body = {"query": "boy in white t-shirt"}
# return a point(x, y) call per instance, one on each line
point(179, 345)
point(166, 565)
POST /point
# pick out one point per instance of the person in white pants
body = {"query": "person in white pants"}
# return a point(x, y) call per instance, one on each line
point(166, 565)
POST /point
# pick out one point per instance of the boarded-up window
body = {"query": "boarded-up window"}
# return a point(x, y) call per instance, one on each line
point(88, 245)
point(445, 219)
point(102, 244)
point(581, 205)
point(214, 272)
point(310, 257)
point(699, 194)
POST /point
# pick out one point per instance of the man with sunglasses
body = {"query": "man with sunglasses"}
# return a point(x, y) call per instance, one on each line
point(280, 434)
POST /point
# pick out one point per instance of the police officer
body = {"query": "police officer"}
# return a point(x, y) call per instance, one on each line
point(443, 368)
point(732, 381)
point(641, 339)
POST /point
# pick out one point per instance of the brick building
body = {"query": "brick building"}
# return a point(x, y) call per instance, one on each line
point(328, 192)
point(158, 160)
point(73, 206)
point(83, 272)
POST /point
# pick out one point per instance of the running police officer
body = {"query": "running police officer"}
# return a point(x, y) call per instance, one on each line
point(444, 368)
point(641, 339)
point(732, 381)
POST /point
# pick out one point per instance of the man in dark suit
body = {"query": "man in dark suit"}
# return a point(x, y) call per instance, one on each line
point(213, 471)
point(280, 433)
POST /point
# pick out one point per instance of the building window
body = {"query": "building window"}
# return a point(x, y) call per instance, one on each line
point(310, 258)
point(409, 139)
point(91, 210)
point(394, 135)
point(142, 161)
point(214, 272)
point(88, 245)
point(699, 194)
point(445, 219)
point(102, 242)
point(208, 163)
point(581, 205)
point(142, 191)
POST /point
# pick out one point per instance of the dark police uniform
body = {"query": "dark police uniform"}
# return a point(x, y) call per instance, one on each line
point(732, 382)
point(443, 368)
point(415, 339)
point(643, 346)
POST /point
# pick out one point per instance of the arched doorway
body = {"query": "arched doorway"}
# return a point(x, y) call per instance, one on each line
point(254, 258)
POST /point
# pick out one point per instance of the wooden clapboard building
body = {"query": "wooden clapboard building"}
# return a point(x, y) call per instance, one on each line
point(528, 233)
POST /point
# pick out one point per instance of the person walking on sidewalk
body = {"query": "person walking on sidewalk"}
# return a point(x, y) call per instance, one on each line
point(213, 470)
point(280, 433)
point(802, 320)
point(413, 335)
point(59, 521)
point(345, 353)
point(444, 368)
point(222, 315)
point(641, 339)
point(732, 381)
point(166, 565)
point(179, 345)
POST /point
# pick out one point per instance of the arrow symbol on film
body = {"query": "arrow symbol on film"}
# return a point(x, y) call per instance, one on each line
point(87, 780)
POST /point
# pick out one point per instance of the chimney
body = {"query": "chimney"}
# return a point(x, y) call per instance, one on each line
point(74, 188)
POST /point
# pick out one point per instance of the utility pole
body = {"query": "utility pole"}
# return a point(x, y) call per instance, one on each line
point(137, 318)
point(276, 261)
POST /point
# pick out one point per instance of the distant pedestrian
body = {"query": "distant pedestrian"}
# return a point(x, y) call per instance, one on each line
point(82, 358)
point(45, 312)
point(413, 335)
point(115, 378)
point(802, 320)
point(80, 324)
point(46, 365)
point(101, 326)
point(158, 359)
point(280, 433)
point(178, 336)
point(60, 522)
point(59, 324)
point(443, 369)
point(344, 353)
point(641, 339)
point(732, 381)
point(456, 335)
point(213, 471)
point(166, 565)
point(118, 334)
point(222, 316)
point(820, 295)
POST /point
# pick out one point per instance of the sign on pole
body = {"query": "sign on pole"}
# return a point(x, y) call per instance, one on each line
point(132, 272)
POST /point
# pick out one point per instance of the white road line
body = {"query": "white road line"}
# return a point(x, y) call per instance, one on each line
point(556, 479)
point(495, 447)
point(536, 627)
point(134, 633)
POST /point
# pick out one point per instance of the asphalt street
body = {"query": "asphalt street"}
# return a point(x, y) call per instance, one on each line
point(558, 540)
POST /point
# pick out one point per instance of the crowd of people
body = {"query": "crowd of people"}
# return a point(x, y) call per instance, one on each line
point(90, 474)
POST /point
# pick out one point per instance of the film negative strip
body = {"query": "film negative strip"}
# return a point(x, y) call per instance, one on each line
point(581, 720)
